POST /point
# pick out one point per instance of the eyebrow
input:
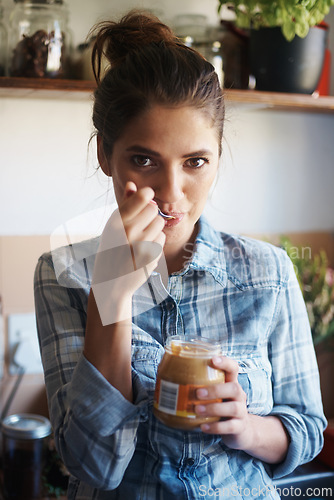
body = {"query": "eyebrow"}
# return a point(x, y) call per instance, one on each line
point(151, 152)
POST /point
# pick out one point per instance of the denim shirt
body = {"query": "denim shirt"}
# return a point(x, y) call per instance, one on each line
point(237, 290)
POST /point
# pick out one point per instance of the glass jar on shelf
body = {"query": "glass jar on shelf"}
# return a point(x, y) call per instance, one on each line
point(191, 28)
point(38, 44)
point(194, 31)
point(3, 43)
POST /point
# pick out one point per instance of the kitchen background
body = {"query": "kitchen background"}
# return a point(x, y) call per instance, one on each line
point(277, 176)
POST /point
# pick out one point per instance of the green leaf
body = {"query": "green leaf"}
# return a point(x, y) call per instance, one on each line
point(289, 29)
point(317, 288)
point(302, 29)
point(300, 14)
point(294, 16)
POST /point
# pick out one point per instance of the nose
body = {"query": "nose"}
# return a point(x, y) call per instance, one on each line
point(169, 186)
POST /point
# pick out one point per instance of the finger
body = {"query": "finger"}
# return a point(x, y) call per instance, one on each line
point(145, 225)
point(135, 202)
point(228, 365)
point(149, 247)
point(145, 253)
point(154, 233)
point(130, 188)
point(154, 228)
point(226, 409)
point(223, 427)
point(227, 390)
point(161, 239)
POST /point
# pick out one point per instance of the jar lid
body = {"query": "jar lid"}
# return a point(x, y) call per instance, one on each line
point(41, 2)
point(192, 346)
point(26, 426)
point(191, 26)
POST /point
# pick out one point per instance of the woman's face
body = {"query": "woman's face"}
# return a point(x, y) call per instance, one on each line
point(175, 151)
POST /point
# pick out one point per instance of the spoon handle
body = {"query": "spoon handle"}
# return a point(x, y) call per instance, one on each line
point(167, 217)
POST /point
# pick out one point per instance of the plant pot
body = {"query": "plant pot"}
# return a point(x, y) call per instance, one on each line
point(234, 49)
point(327, 453)
point(282, 66)
point(325, 359)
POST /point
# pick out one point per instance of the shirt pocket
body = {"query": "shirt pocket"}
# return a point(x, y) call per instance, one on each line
point(255, 379)
point(146, 356)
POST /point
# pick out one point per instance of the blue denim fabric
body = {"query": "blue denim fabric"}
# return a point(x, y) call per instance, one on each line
point(239, 291)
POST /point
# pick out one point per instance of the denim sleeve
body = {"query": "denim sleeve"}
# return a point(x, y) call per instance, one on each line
point(295, 377)
point(95, 427)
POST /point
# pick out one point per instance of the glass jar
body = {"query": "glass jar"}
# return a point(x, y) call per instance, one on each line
point(185, 367)
point(191, 28)
point(195, 32)
point(3, 43)
point(84, 63)
point(24, 445)
point(38, 39)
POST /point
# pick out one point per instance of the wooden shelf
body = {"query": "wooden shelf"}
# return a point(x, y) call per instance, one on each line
point(79, 89)
point(45, 88)
point(282, 101)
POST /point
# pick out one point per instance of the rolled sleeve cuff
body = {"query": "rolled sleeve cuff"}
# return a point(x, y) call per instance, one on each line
point(99, 406)
point(303, 446)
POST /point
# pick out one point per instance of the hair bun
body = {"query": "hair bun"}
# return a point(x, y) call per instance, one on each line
point(115, 40)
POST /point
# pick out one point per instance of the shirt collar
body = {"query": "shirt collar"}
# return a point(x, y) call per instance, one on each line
point(208, 254)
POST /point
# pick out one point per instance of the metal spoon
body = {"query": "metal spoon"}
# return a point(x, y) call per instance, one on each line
point(165, 216)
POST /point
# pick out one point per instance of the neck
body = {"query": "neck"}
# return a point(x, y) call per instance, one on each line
point(177, 256)
point(175, 264)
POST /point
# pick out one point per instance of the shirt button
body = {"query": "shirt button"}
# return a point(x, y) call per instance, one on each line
point(190, 462)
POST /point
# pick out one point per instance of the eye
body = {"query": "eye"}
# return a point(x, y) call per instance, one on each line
point(142, 161)
point(196, 162)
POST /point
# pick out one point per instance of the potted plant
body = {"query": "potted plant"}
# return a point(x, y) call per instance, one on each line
point(293, 17)
point(55, 475)
point(286, 46)
point(316, 280)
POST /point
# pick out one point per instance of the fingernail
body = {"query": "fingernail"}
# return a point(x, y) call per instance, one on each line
point(205, 427)
point(129, 193)
point(202, 393)
point(200, 408)
point(217, 360)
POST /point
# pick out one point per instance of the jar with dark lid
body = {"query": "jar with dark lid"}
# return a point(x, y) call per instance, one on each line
point(3, 43)
point(185, 367)
point(38, 43)
point(24, 445)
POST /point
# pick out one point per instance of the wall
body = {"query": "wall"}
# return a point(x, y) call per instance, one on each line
point(276, 174)
point(42, 185)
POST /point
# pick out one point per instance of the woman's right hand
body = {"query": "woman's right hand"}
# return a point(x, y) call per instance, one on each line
point(130, 247)
point(143, 226)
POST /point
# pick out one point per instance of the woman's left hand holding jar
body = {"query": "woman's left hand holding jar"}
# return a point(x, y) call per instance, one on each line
point(262, 437)
point(232, 410)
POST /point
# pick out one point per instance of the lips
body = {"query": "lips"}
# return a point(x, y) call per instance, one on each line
point(173, 222)
point(177, 216)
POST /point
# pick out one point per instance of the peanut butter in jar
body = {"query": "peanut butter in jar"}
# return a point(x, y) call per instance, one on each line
point(185, 367)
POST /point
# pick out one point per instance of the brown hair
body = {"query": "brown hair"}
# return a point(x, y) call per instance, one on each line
point(148, 66)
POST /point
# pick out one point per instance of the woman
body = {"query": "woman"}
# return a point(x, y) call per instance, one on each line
point(104, 318)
